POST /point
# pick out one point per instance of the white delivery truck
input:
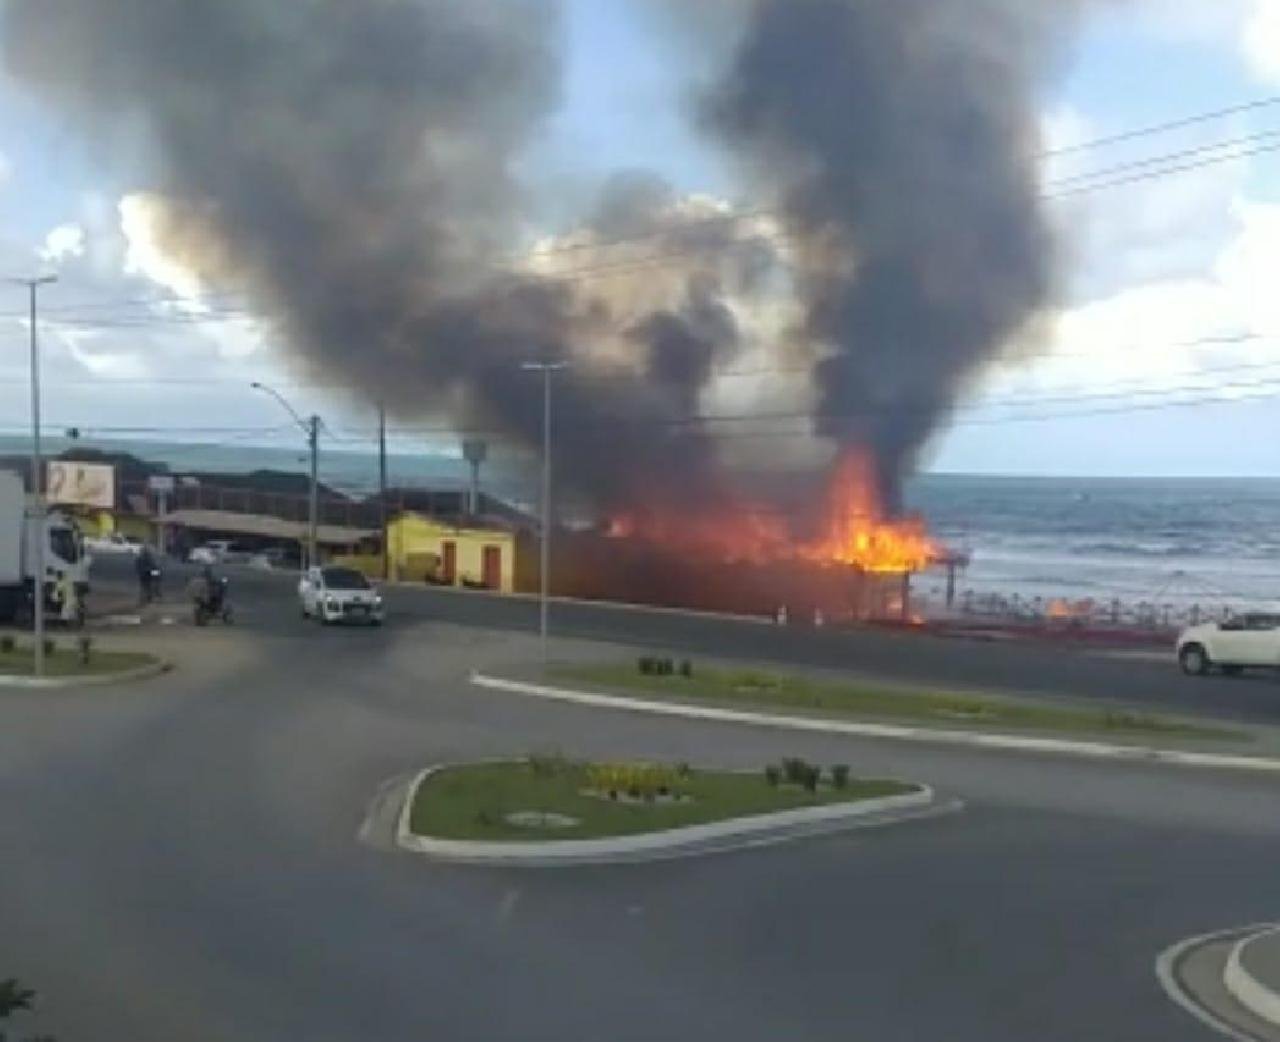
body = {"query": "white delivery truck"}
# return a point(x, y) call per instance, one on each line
point(64, 555)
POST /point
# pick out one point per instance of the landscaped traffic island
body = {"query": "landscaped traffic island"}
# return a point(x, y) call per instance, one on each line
point(750, 689)
point(550, 798)
point(71, 661)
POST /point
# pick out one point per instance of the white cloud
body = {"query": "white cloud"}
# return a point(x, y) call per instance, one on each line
point(63, 243)
point(1181, 331)
point(1261, 40)
point(140, 214)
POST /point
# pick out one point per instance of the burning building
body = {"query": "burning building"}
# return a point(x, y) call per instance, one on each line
point(352, 172)
point(849, 562)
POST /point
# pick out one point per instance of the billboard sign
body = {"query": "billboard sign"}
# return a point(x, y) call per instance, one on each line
point(81, 484)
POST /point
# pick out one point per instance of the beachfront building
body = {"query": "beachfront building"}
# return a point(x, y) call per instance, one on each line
point(421, 548)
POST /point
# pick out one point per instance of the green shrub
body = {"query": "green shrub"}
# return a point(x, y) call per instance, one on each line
point(683, 770)
point(840, 776)
point(795, 770)
point(85, 643)
point(49, 646)
point(686, 669)
point(638, 780)
point(812, 776)
point(7, 644)
point(548, 765)
point(773, 775)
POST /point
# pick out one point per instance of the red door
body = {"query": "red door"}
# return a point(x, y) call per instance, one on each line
point(493, 567)
point(449, 566)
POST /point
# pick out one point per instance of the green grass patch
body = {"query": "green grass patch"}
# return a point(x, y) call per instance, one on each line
point(762, 689)
point(67, 662)
point(472, 801)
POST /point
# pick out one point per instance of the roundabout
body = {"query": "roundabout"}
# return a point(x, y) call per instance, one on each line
point(220, 843)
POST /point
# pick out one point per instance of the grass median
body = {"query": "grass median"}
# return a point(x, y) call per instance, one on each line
point(758, 689)
point(479, 801)
point(66, 662)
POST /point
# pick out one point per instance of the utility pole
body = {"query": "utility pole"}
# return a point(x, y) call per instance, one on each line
point(382, 489)
point(546, 369)
point(311, 428)
point(313, 513)
point(37, 511)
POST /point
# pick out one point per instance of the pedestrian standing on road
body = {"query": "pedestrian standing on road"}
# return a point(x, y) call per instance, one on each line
point(146, 565)
point(68, 599)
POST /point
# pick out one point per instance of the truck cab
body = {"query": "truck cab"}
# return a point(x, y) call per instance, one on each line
point(59, 537)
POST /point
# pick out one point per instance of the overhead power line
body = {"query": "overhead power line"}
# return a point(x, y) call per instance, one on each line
point(1166, 127)
point(229, 309)
point(1269, 392)
point(1106, 173)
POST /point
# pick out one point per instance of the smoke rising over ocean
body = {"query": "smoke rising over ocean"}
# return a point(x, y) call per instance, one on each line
point(351, 171)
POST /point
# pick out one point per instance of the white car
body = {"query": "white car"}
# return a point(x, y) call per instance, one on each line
point(113, 543)
point(1243, 641)
point(336, 594)
point(218, 551)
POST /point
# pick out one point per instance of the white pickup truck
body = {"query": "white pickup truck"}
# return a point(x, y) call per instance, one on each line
point(1251, 640)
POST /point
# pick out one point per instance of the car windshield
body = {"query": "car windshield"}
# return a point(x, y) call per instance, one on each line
point(344, 579)
point(64, 543)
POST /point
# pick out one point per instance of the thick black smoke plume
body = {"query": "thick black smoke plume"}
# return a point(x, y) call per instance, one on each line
point(901, 138)
point(348, 167)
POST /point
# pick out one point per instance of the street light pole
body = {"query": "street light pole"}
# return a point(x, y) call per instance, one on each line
point(382, 490)
point(546, 369)
point(313, 514)
point(311, 428)
point(37, 512)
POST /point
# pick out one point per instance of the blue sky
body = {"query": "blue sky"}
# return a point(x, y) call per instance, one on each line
point(1150, 271)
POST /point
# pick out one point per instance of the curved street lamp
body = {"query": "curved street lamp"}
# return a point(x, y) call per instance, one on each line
point(311, 428)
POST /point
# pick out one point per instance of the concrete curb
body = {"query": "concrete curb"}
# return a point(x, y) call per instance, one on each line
point(1255, 996)
point(897, 732)
point(1168, 973)
point(153, 669)
point(714, 837)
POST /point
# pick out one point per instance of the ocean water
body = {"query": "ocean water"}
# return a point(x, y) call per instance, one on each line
point(1213, 543)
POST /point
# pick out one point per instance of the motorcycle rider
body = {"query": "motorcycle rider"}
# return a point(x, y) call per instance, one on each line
point(148, 575)
point(209, 591)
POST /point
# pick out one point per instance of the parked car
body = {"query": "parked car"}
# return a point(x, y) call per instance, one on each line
point(1244, 641)
point(218, 551)
point(277, 557)
point(113, 543)
point(336, 594)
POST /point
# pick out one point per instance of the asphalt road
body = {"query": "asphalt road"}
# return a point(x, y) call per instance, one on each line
point(1025, 667)
point(180, 862)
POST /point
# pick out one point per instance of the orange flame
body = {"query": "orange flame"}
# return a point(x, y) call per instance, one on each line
point(854, 531)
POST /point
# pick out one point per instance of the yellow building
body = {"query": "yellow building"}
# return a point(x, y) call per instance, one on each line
point(421, 549)
point(95, 522)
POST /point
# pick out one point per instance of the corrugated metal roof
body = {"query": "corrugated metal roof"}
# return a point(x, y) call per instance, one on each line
point(268, 527)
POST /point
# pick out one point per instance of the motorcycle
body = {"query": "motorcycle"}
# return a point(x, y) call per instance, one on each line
point(212, 603)
point(150, 581)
